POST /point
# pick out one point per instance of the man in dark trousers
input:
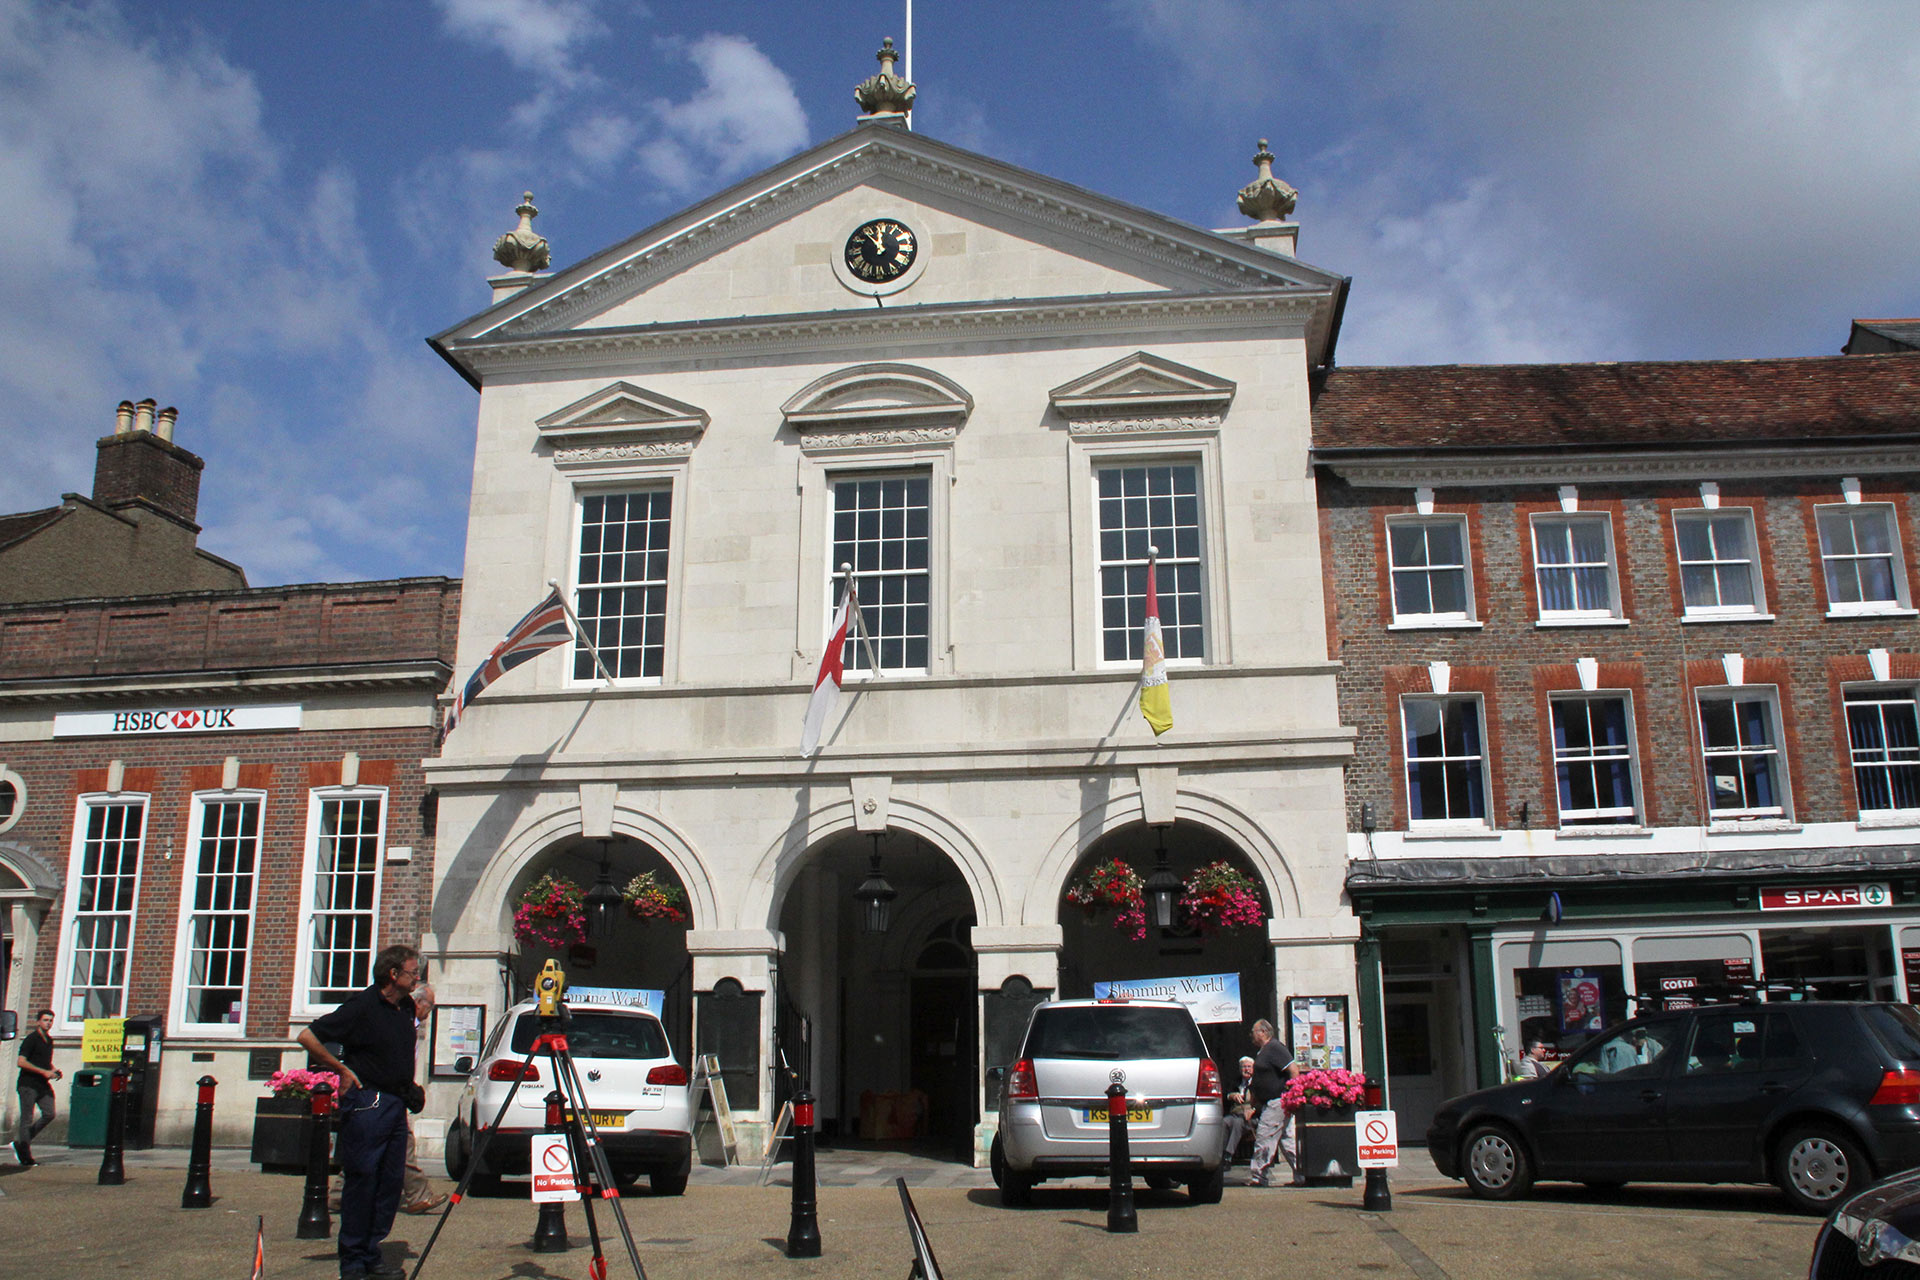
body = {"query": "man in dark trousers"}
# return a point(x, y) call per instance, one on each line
point(35, 1085)
point(375, 1032)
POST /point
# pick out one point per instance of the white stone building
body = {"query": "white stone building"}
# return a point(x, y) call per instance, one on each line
point(895, 353)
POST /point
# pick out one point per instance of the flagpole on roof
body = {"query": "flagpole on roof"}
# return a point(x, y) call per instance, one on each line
point(860, 620)
point(581, 631)
point(906, 57)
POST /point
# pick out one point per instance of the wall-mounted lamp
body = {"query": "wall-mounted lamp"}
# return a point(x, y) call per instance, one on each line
point(875, 895)
point(1162, 889)
point(603, 900)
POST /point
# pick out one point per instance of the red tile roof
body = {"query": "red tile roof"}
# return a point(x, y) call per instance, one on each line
point(1631, 405)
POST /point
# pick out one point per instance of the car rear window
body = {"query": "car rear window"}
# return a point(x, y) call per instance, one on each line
point(1114, 1031)
point(1897, 1026)
point(599, 1035)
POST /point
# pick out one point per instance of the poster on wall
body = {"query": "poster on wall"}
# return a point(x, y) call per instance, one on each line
point(1213, 997)
point(459, 1031)
point(1582, 1007)
point(1317, 1030)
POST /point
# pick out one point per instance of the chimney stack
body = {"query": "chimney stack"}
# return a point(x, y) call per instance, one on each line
point(140, 465)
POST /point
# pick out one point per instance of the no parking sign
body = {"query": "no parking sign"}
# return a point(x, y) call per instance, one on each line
point(1376, 1139)
point(552, 1165)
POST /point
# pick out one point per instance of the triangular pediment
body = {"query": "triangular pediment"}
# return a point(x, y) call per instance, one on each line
point(1142, 384)
point(766, 259)
point(623, 412)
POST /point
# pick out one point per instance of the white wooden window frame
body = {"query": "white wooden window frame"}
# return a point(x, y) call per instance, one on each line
point(1902, 603)
point(1756, 580)
point(1463, 825)
point(1777, 750)
point(177, 1021)
point(317, 799)
point(575, 486)
point(1431, 619)
point(1574, 616)
point(83, 807)
point(1611, 817)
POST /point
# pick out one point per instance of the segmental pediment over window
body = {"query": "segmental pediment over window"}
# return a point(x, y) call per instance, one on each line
point(1143, 392)
point(878, 404)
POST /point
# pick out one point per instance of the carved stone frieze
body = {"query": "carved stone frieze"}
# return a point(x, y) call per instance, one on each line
point(828, 438)
point(1127, 426)
point(622, 452)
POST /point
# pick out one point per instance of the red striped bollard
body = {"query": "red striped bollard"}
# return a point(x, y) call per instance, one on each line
point(550, 1232)
point(803, 1231)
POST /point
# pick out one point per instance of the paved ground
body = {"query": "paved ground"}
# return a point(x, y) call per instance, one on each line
point(729, 1225)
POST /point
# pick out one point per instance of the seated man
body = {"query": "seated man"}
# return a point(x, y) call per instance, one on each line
point(1239, 1111)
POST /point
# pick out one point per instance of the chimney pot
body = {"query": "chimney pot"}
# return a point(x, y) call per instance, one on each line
point(163, 422)
point(143, 415)
point(123, 418)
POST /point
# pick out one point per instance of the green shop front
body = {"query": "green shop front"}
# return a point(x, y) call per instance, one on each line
point(1469, 959)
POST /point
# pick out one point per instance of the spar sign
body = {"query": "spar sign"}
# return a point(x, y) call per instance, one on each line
point(1826, 897)
point(166, 721)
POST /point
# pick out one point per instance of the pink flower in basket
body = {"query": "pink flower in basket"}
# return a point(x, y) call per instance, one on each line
point(1113, 885)
point(300, 1084)
point(1324, 1089)
point(552, 913)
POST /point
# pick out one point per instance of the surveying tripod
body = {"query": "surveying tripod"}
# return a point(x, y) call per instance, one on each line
point(583, 1139)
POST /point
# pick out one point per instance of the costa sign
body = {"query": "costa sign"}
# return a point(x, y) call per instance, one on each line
point(171, 720)
point(1826, 897)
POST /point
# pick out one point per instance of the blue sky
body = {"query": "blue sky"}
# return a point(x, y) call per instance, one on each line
point(257, 211)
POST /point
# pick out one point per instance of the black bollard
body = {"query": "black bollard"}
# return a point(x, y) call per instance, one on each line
point(113, 1169)
point(550, 1232)
point(198, 1193)
point(1378, 1197)
point(315, 1222)
point(1120, 1215)
point(803, 1233)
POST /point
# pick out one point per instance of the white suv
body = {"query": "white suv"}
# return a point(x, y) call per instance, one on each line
point(1053, 1106)
point(635, 1090)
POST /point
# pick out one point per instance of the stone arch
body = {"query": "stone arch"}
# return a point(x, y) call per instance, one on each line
point(904, 939)
point(774, 873)
point(1042, 903)
point(532, 840)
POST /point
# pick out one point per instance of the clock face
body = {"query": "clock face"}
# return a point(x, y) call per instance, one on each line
point(880, 251)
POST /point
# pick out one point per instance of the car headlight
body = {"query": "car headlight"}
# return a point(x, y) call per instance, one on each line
point(1876, 1240)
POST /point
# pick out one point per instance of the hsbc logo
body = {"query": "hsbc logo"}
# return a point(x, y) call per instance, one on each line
point(172, 720)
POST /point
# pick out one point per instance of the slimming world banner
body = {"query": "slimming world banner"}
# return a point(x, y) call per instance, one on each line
point(1213, 997)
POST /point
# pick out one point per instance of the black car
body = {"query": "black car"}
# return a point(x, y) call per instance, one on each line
point(1820, 1098)
point(1874, 1236)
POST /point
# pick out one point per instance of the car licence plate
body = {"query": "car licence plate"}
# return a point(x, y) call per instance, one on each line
point(607, 1119)
point(1135, 1115)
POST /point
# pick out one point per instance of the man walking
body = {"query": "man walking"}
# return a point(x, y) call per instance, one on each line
point(375, 1031)
point(35, 1085)
point(1272, 1068)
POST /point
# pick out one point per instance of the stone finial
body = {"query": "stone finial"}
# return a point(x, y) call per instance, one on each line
point(1266, 198)
point(523, 249)
point(885, 94)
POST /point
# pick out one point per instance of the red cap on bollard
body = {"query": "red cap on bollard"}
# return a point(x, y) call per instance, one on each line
point(323, 1100)
point(553, 1111)
point(1373, 1094)
point(803, 1114)
point(206, 1089)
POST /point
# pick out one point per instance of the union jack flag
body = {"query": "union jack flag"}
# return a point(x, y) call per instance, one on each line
point(544, 627)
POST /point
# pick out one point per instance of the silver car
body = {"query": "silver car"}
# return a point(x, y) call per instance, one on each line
point(1053, 1104)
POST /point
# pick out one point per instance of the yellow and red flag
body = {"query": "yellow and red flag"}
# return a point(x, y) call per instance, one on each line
point(1156, 700)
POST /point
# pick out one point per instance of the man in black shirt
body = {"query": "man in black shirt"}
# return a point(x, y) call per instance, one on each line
point(1273, 1067)
point(35, 1085)
point(375, 1032)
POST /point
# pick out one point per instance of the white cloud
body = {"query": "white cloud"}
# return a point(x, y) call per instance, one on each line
point(745, 113)
point(537, 35)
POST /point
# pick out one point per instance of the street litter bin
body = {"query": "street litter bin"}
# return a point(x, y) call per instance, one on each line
point(87, 1109)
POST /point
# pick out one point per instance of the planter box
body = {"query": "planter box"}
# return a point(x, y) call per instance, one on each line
point(1329, 1153)
point(280, 1127)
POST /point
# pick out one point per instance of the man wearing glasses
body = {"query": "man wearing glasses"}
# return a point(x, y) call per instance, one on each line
point(375, 1031)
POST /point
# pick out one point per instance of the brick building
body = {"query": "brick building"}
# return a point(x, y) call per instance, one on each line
point(1631, 653)
point(212, 810)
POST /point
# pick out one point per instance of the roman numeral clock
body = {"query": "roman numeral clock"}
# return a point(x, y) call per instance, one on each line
point(880, 256)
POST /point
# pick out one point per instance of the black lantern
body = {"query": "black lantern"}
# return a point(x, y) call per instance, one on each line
point(603, 900)
point(1163, 887)
point(875, 895)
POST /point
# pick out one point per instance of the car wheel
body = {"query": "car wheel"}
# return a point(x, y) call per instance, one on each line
point(459, 1150)
point(671, 1182)
point(1016, 1190)
point(1162, 1182)
point(1208, 1187)
point(1819, 1167)
point(1495, 1164)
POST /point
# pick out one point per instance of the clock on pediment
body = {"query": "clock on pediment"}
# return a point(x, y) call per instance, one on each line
point(880, 255)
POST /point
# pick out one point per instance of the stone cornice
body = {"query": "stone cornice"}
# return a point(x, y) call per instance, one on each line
point(901, 328)
point(1407, 469)
point(427, 678)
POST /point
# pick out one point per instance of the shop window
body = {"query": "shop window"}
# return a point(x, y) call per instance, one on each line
point(103, 889)
point(1593, 760)
point(881, 526)
point(1859, 551)
point(1150, 506)
point(1446, 761)
point(622, 583)
point(1746, 773)
point(1573, 568)
point(342, 895)
point(1719, 567)
point(1428, 556)
point(1883, 733)
point(217, 913)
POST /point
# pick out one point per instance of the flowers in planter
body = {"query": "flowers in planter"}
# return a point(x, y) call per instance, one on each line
point(1219, 897)
point(650, 897)
point(300, 1084)
point(1113, 885)
point(551, 913)
point(1324, 1089)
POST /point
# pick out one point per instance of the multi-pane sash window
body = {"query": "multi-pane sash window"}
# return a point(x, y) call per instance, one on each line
point(1717, 564)
point(1593, 758)
point(1884, 734)
point(106, 883)
point(1857, 550)
point(1446, 763)
point(219, 923)
point(343, 889)
point(622, 599)
point(1141, 507)
point(1573, 563)
point(881, 528)
point(1745, 774)
point(1429, 568)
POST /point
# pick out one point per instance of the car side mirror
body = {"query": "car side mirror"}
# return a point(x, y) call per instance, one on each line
point(9, 1025)
point(464, 1064)
point(996, 1074)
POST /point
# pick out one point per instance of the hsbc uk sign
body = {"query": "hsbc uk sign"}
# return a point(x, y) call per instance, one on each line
point(172, 720)
point(1826, 897)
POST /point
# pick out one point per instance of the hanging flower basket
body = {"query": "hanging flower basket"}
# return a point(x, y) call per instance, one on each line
point(551, 913)
point(1219, 897)
point(649, 897)
point(1114, 886)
